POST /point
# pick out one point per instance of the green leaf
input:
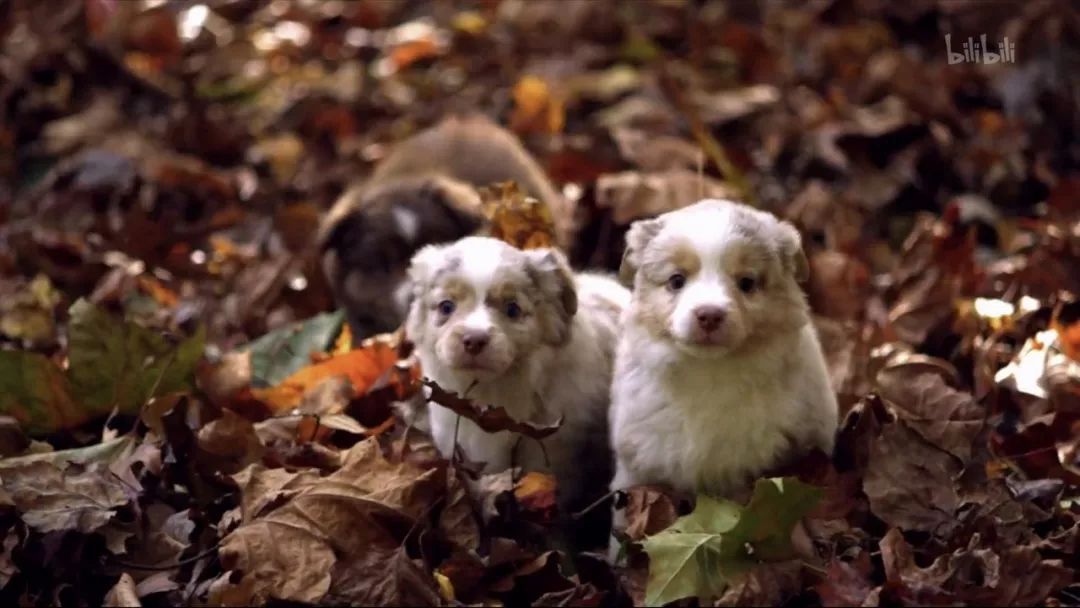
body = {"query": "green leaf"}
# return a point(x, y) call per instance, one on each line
point(701, 552)
point(35, 392)
point(280, 353)
point(767, 521)
point(120, 364)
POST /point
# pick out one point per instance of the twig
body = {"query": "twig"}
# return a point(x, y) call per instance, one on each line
point(185, 561)
point(596, 503)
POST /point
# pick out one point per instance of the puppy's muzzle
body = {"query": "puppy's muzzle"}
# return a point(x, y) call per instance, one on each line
point(709, 318)
point(474, 341)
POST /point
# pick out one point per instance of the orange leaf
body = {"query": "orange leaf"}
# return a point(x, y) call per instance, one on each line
point(363, 367)
point(536, 108)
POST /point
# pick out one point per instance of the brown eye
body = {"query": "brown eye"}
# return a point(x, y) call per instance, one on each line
point(446, 308)
point(676, 282)
point(748, 284)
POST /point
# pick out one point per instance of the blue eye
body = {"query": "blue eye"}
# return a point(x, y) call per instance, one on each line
point(446, 307)
point(513, 311)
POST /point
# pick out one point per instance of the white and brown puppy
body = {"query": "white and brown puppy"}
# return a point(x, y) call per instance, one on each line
point(719, 375)
point(518, 329)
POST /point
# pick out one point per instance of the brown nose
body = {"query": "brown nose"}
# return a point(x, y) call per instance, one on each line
point(709, 318)
point(474, 341)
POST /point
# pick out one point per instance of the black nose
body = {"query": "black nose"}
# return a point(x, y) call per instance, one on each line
point(474, 341)
point(709, 318)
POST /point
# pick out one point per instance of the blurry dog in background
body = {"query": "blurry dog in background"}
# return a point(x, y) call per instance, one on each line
point(423, 192)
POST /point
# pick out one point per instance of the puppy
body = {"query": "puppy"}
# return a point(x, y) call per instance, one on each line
point(423, 192)
point(719, 375)
point(518, 329)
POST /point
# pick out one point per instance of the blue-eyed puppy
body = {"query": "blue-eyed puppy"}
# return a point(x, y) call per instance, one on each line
point(519, 329)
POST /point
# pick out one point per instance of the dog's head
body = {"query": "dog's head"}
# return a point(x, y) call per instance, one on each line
point(481, 307)
point(372, 234)
point(716, 277)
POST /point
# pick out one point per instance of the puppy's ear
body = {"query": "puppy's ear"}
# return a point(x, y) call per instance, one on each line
point(425, 263)
point(423, 266)
point(558, 297)
point(641, 232)
point(791, 252)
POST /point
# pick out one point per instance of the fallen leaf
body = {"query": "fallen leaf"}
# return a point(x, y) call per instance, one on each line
point(50, 498)
point(291, 551)
point(490, 418)
point(846, 583)
point(649, 510)
point(942, 415)
point(381, 576)
point(702, 553)
point(35, 392)
point(362, 367)
point(281, 353)
point(535, 492)
point(911, 483)
point(522, 221)
point(123, 593)
point(122, 365)
point(28, 313)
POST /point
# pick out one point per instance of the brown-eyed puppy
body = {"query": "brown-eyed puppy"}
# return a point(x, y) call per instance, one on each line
point(423, 192)
point(518, 329)
point(719, 374)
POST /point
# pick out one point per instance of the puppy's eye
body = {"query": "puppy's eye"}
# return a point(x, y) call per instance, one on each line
point(748, 284)
point(446, 307)
point(676, 282)
point(513, 311)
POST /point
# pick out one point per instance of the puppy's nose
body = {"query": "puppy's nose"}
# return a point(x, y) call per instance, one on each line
point(709, 318)
point(474, 341)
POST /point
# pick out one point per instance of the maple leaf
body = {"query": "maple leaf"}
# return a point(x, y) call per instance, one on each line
point(701, 553)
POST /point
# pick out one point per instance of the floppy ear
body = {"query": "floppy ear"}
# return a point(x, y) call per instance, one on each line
point(558, 296)
point(641, 232)
point(791, 252)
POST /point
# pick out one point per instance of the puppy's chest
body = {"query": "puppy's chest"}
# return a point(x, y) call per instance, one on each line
point(721, 428)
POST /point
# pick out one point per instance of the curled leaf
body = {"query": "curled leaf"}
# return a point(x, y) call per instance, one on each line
point(490, 418)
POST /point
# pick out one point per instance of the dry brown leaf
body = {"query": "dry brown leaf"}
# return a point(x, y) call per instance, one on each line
point(846, 583)
point(291, 551)
point(490, 418)
point(911, 483)
point(457, 519)
point(944, 416)
point(123, 593)
point(231, 442)
point(382, 576)
point(513, 217)
point(50, 498)
point(649, 509)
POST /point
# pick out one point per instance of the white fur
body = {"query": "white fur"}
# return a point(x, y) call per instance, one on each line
point(711, 422)
point(570, 381)
point(709, 425)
